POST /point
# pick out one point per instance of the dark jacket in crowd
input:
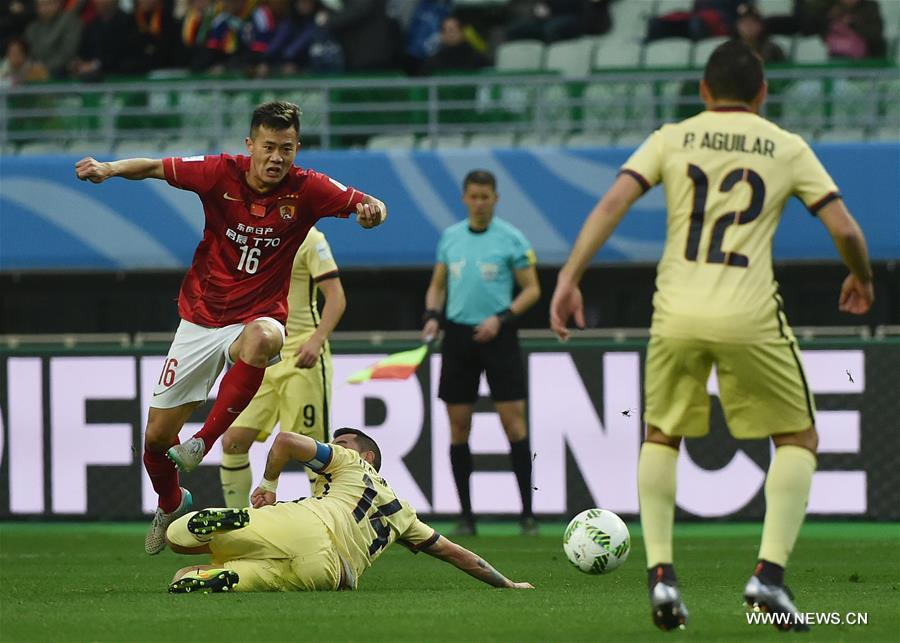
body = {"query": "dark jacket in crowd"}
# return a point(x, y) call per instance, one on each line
point(54, 43)
point(111, 41)
point(368, 36)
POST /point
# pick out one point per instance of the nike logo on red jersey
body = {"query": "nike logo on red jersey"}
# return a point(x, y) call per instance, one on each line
point(228, 197)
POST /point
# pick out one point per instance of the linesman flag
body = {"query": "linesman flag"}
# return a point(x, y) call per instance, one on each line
point(397, 366)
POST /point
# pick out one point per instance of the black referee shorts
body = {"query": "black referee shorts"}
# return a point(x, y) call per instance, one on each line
point(464, 359)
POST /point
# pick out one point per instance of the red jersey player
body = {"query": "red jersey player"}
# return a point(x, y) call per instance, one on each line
point(233, 300)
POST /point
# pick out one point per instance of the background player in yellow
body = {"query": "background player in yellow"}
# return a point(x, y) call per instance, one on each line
point(727, 174)
point(297, 391)
point(324, 542)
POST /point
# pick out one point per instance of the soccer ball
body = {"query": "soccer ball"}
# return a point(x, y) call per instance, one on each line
point(596, 541)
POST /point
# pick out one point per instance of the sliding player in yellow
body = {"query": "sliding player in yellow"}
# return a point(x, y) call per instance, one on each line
point(727, 174)
point(297, 391)
point(321, 543)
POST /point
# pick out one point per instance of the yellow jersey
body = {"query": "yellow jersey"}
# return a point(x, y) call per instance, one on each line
point(727, 175)
point(362, 512)
point(313, 263)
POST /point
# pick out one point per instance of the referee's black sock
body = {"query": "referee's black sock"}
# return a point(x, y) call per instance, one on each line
point(520, 453)
point(461, 461)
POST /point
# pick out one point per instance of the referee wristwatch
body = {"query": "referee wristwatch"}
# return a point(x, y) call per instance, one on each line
point(506, 315)
point(431, 313)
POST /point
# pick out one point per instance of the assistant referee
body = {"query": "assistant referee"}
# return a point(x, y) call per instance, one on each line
point(479, 261)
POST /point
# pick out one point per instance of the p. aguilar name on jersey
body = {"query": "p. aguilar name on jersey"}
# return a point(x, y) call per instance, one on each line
point(729, 142)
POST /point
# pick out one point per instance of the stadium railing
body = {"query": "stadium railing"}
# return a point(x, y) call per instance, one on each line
point(375, 338)
point(182, 116)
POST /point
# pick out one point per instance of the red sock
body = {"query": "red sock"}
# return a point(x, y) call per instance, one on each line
point(164, 477)
point(238, 387)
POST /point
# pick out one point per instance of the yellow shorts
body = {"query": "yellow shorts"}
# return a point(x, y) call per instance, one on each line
point(762, 387)
point(297, 398)
point(285, 548)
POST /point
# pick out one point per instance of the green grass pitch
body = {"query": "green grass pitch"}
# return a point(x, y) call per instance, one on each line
point(92, 582)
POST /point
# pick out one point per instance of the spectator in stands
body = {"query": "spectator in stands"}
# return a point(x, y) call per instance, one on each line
point(17, 67)
point(223, 47)
point(195, 26)
point(270, 17)
point(751, 28)
point(366, 33)
point(53, 37)
point(855, 30)
point(455, 52)
point(84, 10)
point(808, 18)
point(550, 21)
point(300, 44)
point(706, 18)
point(596, 16)
point(15, 15)
point(157, 34)
point(423, 34)
point(107, 44)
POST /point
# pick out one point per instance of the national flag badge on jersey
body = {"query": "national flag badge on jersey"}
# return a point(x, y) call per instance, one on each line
point(258, 209)
point(286, 212)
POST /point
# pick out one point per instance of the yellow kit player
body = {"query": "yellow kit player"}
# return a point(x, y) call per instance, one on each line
point(320, 543)
point(297, 391)
point(727, 174)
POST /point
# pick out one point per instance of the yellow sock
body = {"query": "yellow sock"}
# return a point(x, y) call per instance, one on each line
point(237, 479)
point(656, 489)
point(787, 492)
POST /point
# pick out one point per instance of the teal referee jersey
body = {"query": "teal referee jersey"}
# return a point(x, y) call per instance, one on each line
point(481, 268)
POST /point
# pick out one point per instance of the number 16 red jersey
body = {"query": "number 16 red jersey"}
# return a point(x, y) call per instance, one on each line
point(241, 270)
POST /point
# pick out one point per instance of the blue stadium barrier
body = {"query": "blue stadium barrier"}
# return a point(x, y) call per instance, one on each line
point(50, 220)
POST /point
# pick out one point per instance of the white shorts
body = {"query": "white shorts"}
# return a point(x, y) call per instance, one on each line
point(195, 359)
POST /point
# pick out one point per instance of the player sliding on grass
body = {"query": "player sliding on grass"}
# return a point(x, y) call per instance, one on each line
point(320, 543)
point(233, 300)
point(728, 173)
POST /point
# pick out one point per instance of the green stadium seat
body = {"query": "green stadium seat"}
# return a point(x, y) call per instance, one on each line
point(890, 15)
point(629, 19)
point(616, 54)
point(775, 7)
point(668, 52)
point(786, 43)
point(810, 51)
point(571, 58)
point(671, 6)
point(520, 55)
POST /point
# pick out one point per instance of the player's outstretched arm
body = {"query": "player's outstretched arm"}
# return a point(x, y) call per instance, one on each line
point(857, 291)
point(286, 447)
point(371, 212)
point(470, 563)
point(90, 169)
point(598, 227)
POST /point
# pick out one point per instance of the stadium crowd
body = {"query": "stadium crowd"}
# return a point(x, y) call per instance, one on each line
point(90, 40)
